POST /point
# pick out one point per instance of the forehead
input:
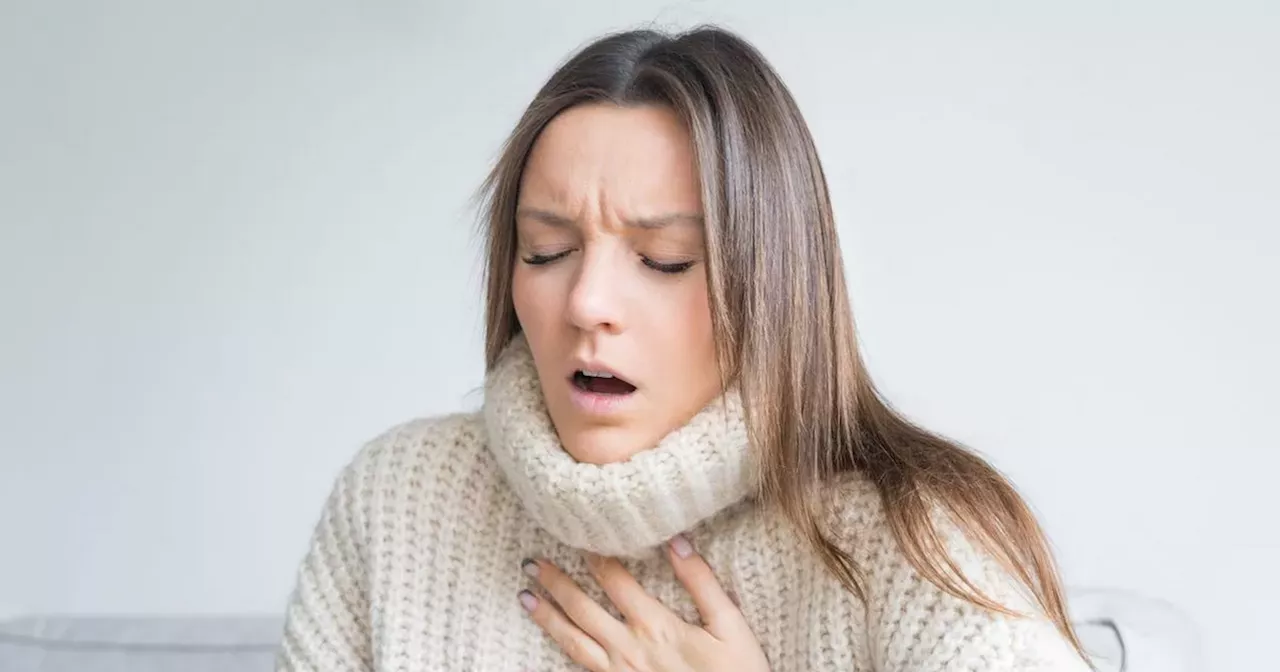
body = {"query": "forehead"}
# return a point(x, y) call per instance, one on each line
point(635, 161)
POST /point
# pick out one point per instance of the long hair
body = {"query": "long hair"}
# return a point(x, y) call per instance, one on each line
point(780, 310)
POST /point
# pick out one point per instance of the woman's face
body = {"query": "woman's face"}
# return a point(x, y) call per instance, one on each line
point(610, 279)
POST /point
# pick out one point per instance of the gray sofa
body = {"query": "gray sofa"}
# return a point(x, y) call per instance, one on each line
point(101, 644)
point(1126, 633)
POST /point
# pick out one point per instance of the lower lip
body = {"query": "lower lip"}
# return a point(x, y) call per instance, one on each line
point(596, 403)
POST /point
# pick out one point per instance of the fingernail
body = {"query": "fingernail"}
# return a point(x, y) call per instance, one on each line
point(527, 600)
point(681, 546)
point(529, 567)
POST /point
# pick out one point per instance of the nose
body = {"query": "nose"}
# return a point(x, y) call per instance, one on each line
point(595, 300)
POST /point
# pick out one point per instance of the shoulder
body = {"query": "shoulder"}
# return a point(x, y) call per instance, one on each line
point(862, 524)
point(856, 520)
point(422, 440)
point(917, 625)
point(417, 458)
point(376, 513)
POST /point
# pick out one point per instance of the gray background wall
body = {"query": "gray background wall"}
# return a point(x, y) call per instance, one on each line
point(234, 244)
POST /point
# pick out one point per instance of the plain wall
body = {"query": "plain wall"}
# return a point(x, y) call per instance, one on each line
point(235, 243)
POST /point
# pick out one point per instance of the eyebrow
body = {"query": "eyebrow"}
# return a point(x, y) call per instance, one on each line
point(552, 219)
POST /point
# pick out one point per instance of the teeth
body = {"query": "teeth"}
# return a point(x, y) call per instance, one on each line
point(597, 374)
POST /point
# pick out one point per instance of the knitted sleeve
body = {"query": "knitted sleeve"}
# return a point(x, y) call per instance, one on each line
point(326, 624)
point(915, 626)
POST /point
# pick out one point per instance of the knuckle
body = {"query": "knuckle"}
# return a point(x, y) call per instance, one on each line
point(657, 632)
point(632, 658)
point(574, 649)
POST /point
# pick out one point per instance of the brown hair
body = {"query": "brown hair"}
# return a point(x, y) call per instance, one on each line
point(780, 310)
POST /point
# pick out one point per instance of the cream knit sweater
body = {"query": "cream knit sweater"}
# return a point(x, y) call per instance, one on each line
point(415, 563)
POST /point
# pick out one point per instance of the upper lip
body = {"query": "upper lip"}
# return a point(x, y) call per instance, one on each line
point(596, 366)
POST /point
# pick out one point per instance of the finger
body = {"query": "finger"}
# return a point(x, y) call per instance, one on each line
point(631, 599)
point(572, 640)
point(720, 615)
point(585, 612)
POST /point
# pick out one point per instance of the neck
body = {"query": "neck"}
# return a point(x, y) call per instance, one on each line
point(619, 509)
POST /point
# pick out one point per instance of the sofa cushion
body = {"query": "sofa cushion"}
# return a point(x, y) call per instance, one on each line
point(132, 644)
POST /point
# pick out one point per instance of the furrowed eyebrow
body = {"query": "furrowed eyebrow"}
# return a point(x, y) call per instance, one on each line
point(666, 220)
point(546, 217)
point(560, 221)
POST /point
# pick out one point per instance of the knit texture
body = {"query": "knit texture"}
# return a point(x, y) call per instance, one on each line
point(623, 509)
point(415, 562)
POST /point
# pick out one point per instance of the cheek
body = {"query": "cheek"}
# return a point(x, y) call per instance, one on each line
point(526, 298)
point(688, 328)
point(532, 300)
point(698, 320)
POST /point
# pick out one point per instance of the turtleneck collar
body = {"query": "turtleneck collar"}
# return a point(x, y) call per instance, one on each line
point(620, 509)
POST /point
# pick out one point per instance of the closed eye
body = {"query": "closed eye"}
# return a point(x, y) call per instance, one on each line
point(543, 259)
point(668, 268)
point(679, 267)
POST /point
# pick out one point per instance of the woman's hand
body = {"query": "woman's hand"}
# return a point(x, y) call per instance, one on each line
point(652, 638)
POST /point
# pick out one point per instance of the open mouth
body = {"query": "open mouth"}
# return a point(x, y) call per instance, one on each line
point(601, 383)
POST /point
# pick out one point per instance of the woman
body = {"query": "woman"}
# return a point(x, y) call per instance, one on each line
point(681, 462)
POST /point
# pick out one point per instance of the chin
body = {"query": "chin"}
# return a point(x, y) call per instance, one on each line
point(604, 445)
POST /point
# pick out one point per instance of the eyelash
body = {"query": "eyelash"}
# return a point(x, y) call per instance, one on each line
point(544, 259)
point(669, 269)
